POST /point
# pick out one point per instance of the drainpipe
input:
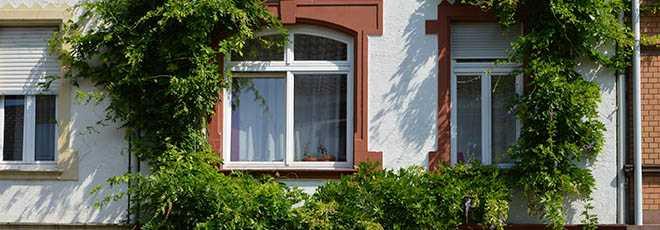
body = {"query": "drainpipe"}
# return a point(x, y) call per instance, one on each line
point(621, 148)
point(637, 115)
point(621, 141)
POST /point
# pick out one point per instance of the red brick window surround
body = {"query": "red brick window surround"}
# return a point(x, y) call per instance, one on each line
point(448, 14)
point(357, 19)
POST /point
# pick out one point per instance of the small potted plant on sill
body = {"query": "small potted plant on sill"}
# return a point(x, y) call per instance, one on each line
point(324, 155)
point(309, 156)
point(321, 155)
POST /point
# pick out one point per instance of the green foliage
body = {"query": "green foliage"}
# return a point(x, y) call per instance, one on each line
point(650, 40)
point(158, 63)
point(561, 129)
point(188, 192)
point(411, 197)
point(651, 8)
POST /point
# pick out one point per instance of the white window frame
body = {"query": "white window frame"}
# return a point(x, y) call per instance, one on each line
point(29, 137)
point(486, 71)
point(289, 67)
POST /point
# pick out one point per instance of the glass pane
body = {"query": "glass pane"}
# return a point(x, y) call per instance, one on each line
point(320, 117)
point(504, 120)
point(468, 118)
point(13, 131)
point(266, 50)
point(310, 48)
point(45, 129)
point(258, 120)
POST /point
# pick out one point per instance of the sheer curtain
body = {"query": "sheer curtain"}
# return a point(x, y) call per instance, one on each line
point(504, 120)
point(258, 120)
point(468, 118)
point(320, 117)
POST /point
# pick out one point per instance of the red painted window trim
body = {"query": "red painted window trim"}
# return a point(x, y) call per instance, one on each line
point(448, 14)
point(358, 18)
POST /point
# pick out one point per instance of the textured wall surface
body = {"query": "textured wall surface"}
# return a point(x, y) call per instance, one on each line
point(403, 84)
point(101, 151)
point(402, 110)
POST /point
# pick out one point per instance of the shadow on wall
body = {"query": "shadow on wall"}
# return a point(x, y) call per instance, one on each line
point(409, 95)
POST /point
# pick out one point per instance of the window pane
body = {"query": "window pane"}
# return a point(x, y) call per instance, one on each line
point(320, 117)
point(45, 129)
point(468, 118)
point(269, 50)
point(258, 120)
point(308, 48)
point(13, 130)
point(504, 120)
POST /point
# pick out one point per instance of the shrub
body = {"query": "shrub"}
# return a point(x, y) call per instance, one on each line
point(409, 198)
point(188, 194)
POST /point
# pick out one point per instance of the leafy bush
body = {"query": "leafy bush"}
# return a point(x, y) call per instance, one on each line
point(409, 198)
point(188, 193)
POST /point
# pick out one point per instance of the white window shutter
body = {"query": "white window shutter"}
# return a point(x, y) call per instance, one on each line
point(25, 61)
point(481, 40)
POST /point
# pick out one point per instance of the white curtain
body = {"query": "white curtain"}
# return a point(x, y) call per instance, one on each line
point(258, 121)
point(320, 117)
point(504, 120)
point(468, 118)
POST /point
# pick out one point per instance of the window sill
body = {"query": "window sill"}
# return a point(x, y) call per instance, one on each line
point(30, 171)
point(295, 173)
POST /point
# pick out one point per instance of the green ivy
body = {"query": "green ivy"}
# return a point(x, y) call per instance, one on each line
point(651, 8)
point(650, 40)
point(157, 61)
point(561, 129)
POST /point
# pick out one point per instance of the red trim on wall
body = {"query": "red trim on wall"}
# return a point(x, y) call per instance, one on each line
point(447, 14)
point(358, 18)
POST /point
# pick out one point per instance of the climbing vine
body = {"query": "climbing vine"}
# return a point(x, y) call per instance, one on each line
point(561, 130)
point(158, 63)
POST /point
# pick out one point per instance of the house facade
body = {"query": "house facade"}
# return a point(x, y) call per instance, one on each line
point(398, 82)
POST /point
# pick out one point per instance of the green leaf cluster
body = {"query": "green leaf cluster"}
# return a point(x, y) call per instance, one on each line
point(159, 62)
point(410, 198)
point(189, 193)
point(561, 132)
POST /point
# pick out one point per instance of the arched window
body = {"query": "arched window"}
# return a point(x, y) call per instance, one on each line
point(292, 107)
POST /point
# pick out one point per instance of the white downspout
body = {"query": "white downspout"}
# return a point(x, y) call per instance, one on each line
point(637, 115)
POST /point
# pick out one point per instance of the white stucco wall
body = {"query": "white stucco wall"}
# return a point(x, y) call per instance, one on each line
point(403, 84)
point(402, 109)
point(101, 155)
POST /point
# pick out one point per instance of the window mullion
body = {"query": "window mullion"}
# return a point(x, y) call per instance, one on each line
point(486, 119)
point(453, 120)
point(288, 54)
point(29, 120)
point(289, 150)
point(226, 126)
